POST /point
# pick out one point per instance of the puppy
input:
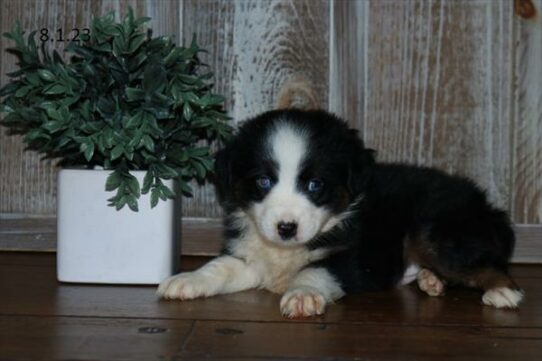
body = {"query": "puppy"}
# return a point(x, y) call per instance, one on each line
point(309, 214)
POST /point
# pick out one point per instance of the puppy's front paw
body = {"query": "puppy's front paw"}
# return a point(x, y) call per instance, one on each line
point(302, 302)
point(430, 283)
point(184, 286)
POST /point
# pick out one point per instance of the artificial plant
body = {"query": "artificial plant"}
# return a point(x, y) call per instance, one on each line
point(125, 101)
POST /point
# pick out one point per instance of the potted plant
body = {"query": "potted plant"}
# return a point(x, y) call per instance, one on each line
point(129, 113)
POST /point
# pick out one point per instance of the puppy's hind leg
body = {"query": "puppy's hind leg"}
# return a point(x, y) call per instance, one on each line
point(500, 290)
point(224, 274)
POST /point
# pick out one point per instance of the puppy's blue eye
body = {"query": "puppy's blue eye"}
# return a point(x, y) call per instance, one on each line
point(264, 182)
point(315, 185)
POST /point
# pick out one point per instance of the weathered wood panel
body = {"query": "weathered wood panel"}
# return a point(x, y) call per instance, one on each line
point(439, 80)
point(526, 202)
point(257, 49)
point(348, 88)
point(453, 84)
point(27, 184)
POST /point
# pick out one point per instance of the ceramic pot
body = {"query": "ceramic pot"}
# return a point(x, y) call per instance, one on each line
point(98, 244)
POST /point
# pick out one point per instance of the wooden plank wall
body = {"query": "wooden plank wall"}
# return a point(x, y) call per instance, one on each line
point(455, 84)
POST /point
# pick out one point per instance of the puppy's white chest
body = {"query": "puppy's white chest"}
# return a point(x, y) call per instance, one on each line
point(275, 265)
point(278, 267)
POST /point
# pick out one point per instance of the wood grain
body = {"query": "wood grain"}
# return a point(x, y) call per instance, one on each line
point(348, 87)
point(43, 319)
point(439, 75)
point(28, 184)
point(74, 338)
point(114, 338)
point(257, 49)
point(367, 342)
point(527, 137)
point(33, 290)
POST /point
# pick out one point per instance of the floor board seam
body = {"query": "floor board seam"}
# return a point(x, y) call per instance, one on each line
point(187, 338)
point(326, 323)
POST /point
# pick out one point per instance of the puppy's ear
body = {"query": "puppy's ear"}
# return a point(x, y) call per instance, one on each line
point(223, 172)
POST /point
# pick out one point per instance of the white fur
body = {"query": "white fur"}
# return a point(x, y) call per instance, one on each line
point(502, 297)
point(410, 274)
point(285, 203)
point(261, 264)
point(224, 274)
point(275, 263)
point(309, 292)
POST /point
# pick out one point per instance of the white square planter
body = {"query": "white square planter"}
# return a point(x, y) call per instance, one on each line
point(98, 244)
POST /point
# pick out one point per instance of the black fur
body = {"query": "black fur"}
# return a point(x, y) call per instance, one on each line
point(405, 213)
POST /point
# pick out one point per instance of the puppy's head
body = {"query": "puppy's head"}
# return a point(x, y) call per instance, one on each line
point(293, 173)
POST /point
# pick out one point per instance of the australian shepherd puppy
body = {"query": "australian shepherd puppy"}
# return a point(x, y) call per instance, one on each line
point(309, 214)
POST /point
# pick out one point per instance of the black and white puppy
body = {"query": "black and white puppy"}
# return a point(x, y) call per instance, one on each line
point(310, 215)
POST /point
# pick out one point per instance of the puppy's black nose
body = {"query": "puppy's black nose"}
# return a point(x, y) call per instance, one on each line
point(287, 229)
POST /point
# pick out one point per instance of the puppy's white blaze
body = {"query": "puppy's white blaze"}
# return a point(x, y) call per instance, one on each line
point(502, 297)
point(285, 203)
point(288, 147)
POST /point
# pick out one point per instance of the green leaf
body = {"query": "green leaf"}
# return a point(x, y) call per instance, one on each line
point(53, 126)
point(147, 142)
point(117, 152)
point(147, 182)
point(212, 99)
point(185, 188)
point(88, 149)
point(199, 152)
point(155, 195)
point(136, 140)
point(132, 203)
point(113, 181)
point(35, 134)
point(133, 185)
point(33, 79)
point(166, 171)
point(53, 114)
point(166, 192)
point(46, 75)
point(136, 42)
point(119, 204)
point(22, 91)
point(134, 121)
point(187, 112)
point(134, 94)
point(55, 89)
point(154, 78)
point(200, 170)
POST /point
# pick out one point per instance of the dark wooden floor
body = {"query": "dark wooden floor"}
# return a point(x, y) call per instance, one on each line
point(42, 319)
